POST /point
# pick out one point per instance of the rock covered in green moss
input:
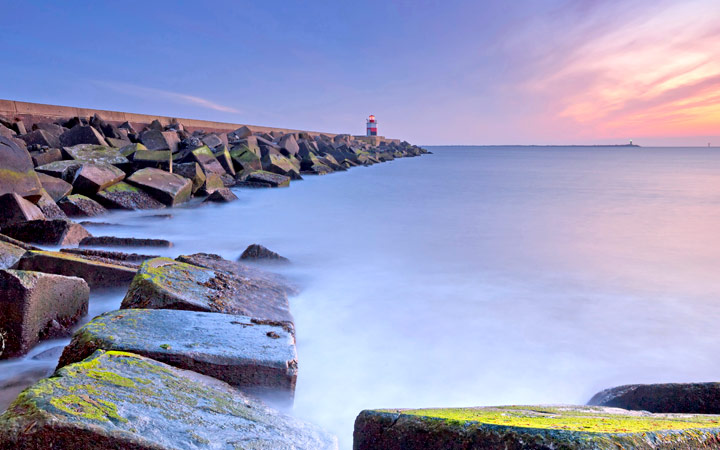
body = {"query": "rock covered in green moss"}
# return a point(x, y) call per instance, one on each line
point(16, 170)
point(253, 356)
point(163, 283)
point(127, 196)
point(205, 157)
point(64, 170)
point(533, 427)
point(47, 232)
point(37, 306)
point(124, 401)
point(168, 188)
point(693, 398)
point(97, 154)
point(97, 274)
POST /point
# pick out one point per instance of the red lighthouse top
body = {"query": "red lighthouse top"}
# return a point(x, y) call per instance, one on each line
point(371, 118)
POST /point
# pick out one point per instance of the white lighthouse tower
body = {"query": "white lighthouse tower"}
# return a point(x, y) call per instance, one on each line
point(371, 126)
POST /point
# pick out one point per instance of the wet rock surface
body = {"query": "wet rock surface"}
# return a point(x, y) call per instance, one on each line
point(216, 262)
point(262, 178)
point(222, 195)
point(38, 306)
point(121, 400)
point(691, 398)
point(532, 427)
point(97, 274)
point(163, 283)
point(255, 357)
point(132, 260)
point(10, 255)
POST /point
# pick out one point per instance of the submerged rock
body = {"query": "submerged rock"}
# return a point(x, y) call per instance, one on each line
point(127, 196)
point(691, 398)
point(97, 274)
point(163, 283)
point(533, 427)
point(112, 241)
point(221, 195)
point(256, 252)
point(169, 188)
point(124, 401)
point(255, 357)
point(47, 232)
point(38, 306)
point(271, 281)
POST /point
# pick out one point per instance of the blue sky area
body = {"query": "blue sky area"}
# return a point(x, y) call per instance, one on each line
point(450, 72)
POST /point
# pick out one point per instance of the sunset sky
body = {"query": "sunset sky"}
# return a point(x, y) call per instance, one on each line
point(433, 72)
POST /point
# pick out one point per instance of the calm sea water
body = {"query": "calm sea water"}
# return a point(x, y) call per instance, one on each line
point(480, 276)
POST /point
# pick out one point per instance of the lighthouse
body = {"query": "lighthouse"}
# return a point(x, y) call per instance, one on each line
point(371, 126)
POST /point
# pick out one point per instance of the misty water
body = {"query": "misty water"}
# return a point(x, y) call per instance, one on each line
point(478, 276)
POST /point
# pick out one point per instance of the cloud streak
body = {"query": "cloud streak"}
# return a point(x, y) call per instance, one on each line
point(177, 97)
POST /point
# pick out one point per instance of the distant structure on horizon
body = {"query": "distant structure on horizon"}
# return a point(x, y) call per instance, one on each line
point(371, 126)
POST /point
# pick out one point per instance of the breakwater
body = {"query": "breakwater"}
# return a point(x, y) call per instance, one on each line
point(199, 312)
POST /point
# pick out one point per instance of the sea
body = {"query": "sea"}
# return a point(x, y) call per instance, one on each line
point(473, 275)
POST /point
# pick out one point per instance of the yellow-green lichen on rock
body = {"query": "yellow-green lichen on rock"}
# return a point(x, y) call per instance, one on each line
point(122, 400)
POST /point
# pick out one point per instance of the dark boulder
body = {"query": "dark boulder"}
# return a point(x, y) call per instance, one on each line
point(684, 398)
point(222, 195)
point(223, 156)
point(16, 171)
point(41, 138)
point(118, 400)
point(47, 232)
point(93, 178)
point(128, 151)
point(132, 260)
point(157, 159)
point(163, 283)
point(97, 274)
point(256, 357)
point(160, 140)
point(288, 145)
point(126, 196)
point(193, 172)
point(38, 306)
point(262, 178)
point(240, 133)
point(169, 188)
point(212, 140)
point(81, 134)
point(257, 252)
point(15, 209)
point(57, 188)
point(112, 241)
point(77, 205)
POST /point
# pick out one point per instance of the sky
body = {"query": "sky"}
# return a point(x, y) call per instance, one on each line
point(432, 72)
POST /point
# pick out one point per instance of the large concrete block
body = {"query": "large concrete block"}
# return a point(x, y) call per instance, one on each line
point(37, 306)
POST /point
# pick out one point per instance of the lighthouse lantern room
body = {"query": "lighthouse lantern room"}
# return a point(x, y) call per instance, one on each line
point(371, 126)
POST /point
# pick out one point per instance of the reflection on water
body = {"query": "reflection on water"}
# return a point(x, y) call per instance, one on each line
point(481, 276)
